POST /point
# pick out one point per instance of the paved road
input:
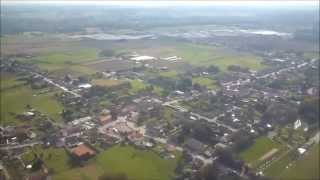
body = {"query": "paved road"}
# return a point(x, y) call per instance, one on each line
point(57, 85)
point(20, 145)
point(214, 120)
point(247, 81)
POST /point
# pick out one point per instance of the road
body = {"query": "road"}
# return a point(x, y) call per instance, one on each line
point(20, 145)
point(247, 81)
point(212, 120)
point(57, 85)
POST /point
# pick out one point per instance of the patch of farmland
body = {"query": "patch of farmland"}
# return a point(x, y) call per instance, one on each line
point(259, 150)
point(113, 65)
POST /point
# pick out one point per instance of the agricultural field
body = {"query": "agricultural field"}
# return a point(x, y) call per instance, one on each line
point(276, 167)
point(203, 55)
point(191, 54)
point(169, 74)
point(137, 164)
point(55, 159)
point(14, 100)
point(261, 147)
point(305, 168)
point(72, 57)
point(60, 63)
point(106, 82)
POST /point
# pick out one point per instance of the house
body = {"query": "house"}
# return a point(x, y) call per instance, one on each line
point(135, 136)
point(121, 128)
point(105, 116)
point(85, 86)
point(105, 119)
point(82, 151)
point(80, 120)
point(71, 130)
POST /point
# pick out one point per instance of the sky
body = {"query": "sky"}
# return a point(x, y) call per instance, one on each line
point(157, 3)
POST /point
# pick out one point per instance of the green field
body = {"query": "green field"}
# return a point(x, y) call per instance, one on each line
point(305, 168)
point(106, 82)
point(275, 169)
point(169, 74)
point(137, 164)
point(201, 55)
point(67, 62)
point(9, 81)
point(204, 81)
point(54, 158)
point(261, 146)
point(137, 85)
point(15, 99)
point(72, 57)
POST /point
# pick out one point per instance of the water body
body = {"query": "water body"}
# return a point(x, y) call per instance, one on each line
point(112, 37)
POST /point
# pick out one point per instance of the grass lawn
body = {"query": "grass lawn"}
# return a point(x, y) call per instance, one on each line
point(278, 166)
point(311, 54)
point(14, 100)
point(8, 81)
point(305, 168)
point(204, 81)
point(169, 74)
point(137, 85)
point(137, 164)
point(58, 161)
point(158, 90)
point(261, 146)
point(106, 82)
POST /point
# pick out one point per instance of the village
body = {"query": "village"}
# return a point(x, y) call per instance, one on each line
point(189, 118)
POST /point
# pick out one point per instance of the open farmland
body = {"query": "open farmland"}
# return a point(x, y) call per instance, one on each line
point(203, 55)
point(112, 65)
point(191, 54)
point(305, 168)
point(137, 164)
point(260, 148)
point(14, 100)
point(106, 82)
point(54, 158)
point(73, 57)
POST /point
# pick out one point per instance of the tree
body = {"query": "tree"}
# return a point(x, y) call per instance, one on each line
point(242, 140)
point(309, 109)
point(280, 113)
point(67, 115)
point(108, 53)
point(213, 69)
point(184, 84)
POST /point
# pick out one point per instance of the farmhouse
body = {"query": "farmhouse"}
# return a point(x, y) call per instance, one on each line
point(83, 152)
point(105, 117)
point(143, 58)
point(85, 86)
